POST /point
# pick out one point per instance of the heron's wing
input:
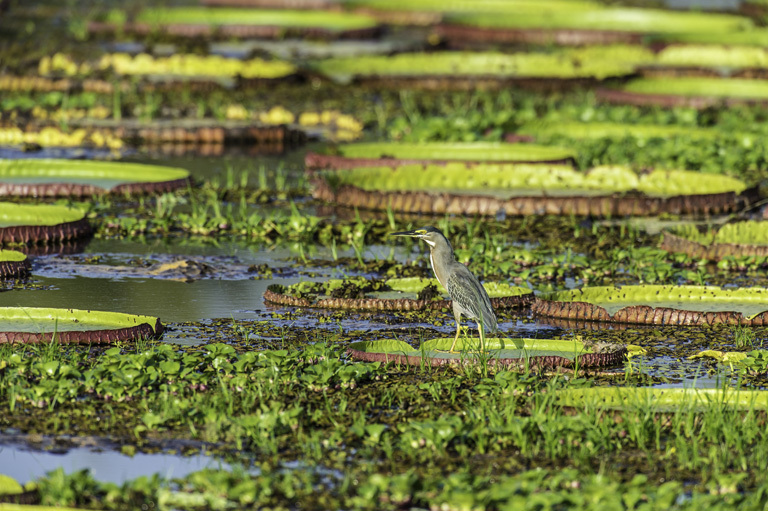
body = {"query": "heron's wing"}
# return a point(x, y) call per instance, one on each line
point(470, 296)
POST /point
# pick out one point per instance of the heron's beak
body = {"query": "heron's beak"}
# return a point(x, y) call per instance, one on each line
point(412, 234)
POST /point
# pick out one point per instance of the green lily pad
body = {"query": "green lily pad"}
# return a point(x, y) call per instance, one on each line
point(9, 486)
point(33, 223)
point(33, 324)
point(624, 19)
point(13, 264)
point(542, 353)
point(662, 399)
point(615, 130)
point(287, 18)
point(692, 305)
point(394, 294)
point(747, 232)
point(516, 6)
point(567, 63)
point(513, 180)
point(754, 37)
point(474, 151)
point(738, 239)
point(48, 177)
point(195, 66)
point(712, 55)
point(700, 86)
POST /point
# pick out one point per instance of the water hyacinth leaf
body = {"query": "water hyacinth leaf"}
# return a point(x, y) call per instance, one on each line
point(662, 399)
point(50, 177)
point(658, 304)
point(35, 324)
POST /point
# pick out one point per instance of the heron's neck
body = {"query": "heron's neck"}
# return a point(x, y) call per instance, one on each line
point(446, 259)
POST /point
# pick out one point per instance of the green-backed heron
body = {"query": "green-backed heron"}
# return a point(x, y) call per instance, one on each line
point(467, 294)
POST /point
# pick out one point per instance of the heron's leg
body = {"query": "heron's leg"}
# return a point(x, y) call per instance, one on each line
point(482, 336)
point(458, 331)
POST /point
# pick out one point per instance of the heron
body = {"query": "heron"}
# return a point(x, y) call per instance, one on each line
point(468, 296)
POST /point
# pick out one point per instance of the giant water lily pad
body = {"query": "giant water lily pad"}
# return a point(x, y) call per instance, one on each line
point(592, 25)
point(616, 130)
point(242, 23)
point(658, 305)
point(662, 399)
point(41, 223)
point(747, 238)
point(518, 353)
point(57, 178)
point(520, 189)
point(453, 69)
point(709, 60)
point(13, 264)
point(393, 154)
point(32, 324)
point(696, 92)
point(393, 294)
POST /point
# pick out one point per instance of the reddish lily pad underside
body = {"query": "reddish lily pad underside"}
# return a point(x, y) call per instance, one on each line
point(658, 305)
point(13, 264)
point(33, 324)
point(41, 223)
point(542, 354)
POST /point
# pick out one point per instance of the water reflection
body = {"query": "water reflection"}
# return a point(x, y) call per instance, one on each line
point(108, 466)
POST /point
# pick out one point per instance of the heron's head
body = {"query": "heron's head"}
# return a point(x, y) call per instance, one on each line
point(431, 235)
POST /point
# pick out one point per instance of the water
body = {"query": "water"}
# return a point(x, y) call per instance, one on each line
point(24, 464)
